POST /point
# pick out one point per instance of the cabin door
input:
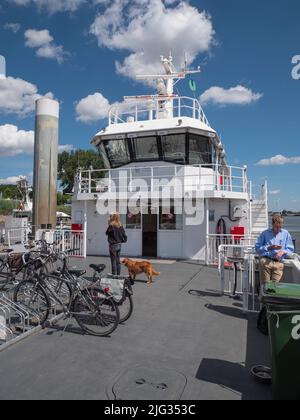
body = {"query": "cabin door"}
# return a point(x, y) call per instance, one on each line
point(150, 222)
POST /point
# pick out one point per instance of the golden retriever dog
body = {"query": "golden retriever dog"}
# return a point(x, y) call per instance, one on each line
point(138, 267)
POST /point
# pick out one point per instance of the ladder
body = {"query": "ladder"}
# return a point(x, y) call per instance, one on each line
point(259, 213)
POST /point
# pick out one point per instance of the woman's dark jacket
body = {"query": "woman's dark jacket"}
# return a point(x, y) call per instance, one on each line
point(116, 235)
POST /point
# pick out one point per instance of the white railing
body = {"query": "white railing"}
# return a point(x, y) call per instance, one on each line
point(152, 109)
point(215, 241)
point(14, 236)
point(191, 177)
point(61, 240)
point(65, 240)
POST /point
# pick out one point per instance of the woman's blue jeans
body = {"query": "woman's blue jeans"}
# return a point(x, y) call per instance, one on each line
point(115, 256)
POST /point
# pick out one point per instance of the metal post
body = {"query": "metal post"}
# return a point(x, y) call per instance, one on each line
point(90, 182)
point(222, 271)
point(266, 200)
point(152, 180)
point(207, 232)
point(246, 285)
point(85, 231)
point(63, 241)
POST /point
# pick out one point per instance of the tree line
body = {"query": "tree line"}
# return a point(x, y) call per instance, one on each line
point(68, 165)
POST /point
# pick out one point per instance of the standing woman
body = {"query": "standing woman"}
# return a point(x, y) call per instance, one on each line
point(116, 237)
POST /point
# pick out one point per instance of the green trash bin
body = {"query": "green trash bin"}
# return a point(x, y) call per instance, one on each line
point(283, 305)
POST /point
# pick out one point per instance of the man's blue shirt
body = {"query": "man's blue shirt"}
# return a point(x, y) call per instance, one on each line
point(268, 238)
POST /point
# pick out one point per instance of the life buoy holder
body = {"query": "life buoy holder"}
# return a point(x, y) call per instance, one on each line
point(193, 85)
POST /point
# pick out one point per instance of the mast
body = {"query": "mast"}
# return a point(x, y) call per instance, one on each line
point(165, 84)
point(23, 187)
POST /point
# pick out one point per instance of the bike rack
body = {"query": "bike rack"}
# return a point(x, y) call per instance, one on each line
point(15, 320)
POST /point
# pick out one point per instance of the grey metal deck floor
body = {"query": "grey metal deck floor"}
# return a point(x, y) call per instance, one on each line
point(180, 325)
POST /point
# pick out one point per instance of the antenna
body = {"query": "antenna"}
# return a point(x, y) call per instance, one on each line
point(2, 67)
point(185, 61)
point(165, 83)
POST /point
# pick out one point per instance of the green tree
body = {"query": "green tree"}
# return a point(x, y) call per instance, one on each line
point(10, 192)
point(62, 199)
point(69, 163)
point(7, 206)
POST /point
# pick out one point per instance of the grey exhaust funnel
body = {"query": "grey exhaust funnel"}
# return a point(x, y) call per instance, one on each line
point(45, 163)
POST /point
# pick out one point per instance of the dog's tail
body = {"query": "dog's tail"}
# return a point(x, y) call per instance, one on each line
point(155, 273)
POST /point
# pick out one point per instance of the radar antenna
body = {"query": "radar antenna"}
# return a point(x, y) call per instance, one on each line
point(165, 84)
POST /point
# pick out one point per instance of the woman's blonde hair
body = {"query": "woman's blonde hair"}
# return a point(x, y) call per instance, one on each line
point(115, 220)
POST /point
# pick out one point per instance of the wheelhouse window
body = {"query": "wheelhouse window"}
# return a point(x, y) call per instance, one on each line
point(174, 148)
point(133, 218)
point(200, 150)
point(180, 149)
point(170, 220)
point(133, 221)
point(145, 148)
point(117, 152)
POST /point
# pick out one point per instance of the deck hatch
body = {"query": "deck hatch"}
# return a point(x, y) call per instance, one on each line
point(148, 383)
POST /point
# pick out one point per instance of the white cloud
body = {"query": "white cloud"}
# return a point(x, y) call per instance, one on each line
point(279, 160)
point(92, 108)
point(14, 27)
point(36, 39)
point(238, 95)
point(96, 107)
point(53, 6)
point(274, 192)
point(42, 41)
point(15, 142)
point(18, 96)
point(66, 148)
point(12, 180)
point(149, 29)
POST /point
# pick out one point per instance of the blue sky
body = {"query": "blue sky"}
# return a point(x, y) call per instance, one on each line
point(70, 48)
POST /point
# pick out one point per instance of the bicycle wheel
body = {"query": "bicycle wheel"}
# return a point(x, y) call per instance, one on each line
point(3, 267)
point(33, 297)
point(96, 313)
point(4, 274)
point(126, 308)
point(60, 288)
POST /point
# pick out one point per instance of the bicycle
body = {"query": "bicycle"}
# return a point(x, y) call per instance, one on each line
point(11, 266)
point(125, 303)
point(92, 307)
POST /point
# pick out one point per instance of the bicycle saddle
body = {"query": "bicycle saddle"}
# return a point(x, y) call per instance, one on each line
point(77, 273)
point(98, 268)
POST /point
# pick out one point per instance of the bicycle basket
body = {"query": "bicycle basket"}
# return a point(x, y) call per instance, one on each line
point(15, 261)
point(116, 287)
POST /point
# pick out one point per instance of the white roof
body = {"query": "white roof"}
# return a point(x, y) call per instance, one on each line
point(153, 125)
point(61, 214)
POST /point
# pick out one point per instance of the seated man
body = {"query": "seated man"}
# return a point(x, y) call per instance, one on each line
point(273, 246)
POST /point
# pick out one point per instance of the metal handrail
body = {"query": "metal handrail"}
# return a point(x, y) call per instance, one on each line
point(117, 114)
point(90, 180)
